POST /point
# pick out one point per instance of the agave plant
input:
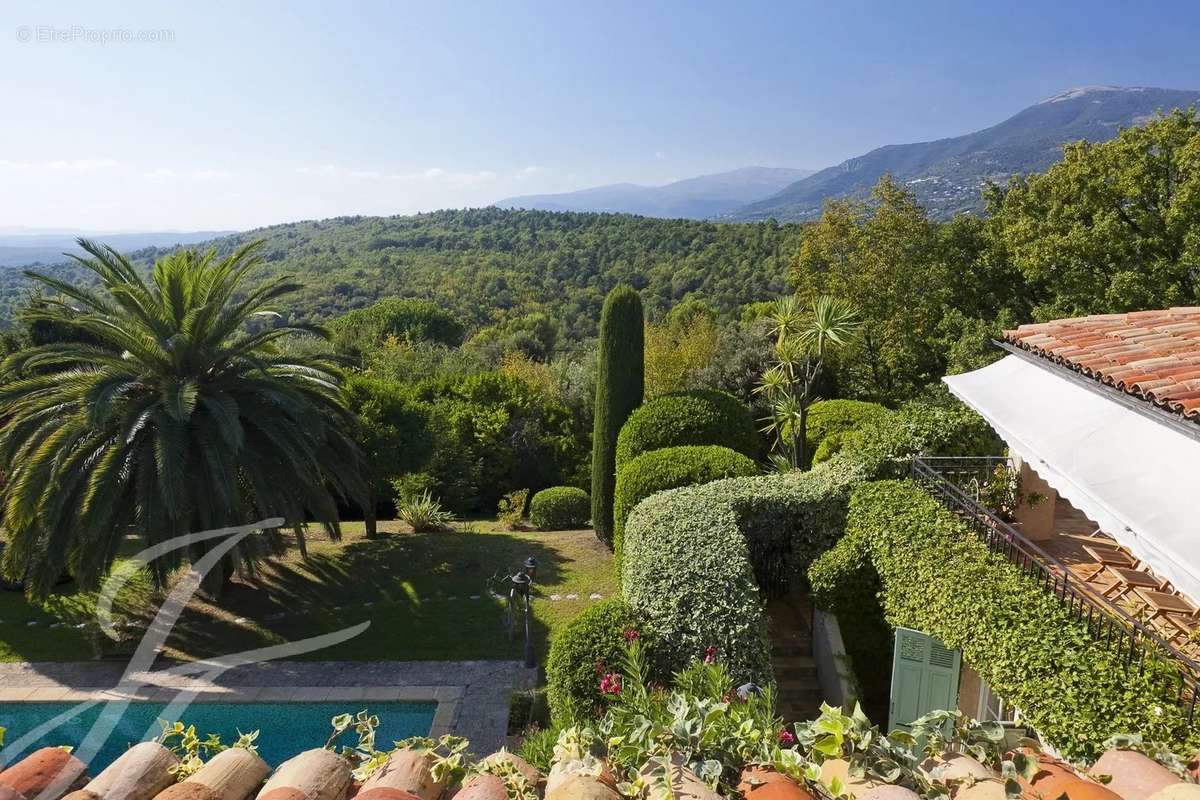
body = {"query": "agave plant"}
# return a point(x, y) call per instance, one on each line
point(165, 408)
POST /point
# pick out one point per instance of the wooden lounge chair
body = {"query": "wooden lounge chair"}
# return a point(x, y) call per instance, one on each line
point(1109, 557)
point(1129, 579)
point(1175, 617)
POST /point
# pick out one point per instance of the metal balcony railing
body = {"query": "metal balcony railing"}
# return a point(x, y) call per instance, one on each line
point(960, 483)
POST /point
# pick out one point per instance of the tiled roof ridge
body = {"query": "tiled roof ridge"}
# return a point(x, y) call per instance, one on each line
point(147, 772)
point(1153, 355)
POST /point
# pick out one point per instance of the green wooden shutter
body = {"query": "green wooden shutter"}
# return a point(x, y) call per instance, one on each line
point(924, 677)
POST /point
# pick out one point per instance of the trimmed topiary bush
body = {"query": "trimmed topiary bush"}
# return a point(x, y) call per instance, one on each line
point(670, 468)
point(620, 385)
point(827, 418)
point(936, 576)
point(596, 636)
point(831, 445)
point(695, 559)
point(689, 418)
point(559, 508)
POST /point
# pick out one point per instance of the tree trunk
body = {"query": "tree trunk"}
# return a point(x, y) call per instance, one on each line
point(370, 518)
point(301, 542)
point(802, 439)
point(219, 577)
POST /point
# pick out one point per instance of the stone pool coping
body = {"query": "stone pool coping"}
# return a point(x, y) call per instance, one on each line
point(472, 696)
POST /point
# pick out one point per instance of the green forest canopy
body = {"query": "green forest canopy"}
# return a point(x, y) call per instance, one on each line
point(489, 265)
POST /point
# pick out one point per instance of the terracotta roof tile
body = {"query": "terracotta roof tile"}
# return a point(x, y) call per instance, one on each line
point(1154, 355)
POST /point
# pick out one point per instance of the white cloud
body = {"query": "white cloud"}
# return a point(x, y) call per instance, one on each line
point(81, 164)
point(437, 175)
point(659, 155)
point(161, 175)
point(211, 174)
point(59, 165)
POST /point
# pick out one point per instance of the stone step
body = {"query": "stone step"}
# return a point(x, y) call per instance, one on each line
point(797, 693)
point(797, 689)
point(803, 671)
point(789, 650)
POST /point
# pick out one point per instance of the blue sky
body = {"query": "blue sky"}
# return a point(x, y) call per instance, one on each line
point(246, 114)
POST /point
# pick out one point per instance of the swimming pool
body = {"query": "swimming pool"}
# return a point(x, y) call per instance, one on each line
point(286, 728)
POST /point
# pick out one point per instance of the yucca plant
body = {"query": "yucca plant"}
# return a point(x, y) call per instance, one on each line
point(423, 513)
point(804, 336)
point(167, 408)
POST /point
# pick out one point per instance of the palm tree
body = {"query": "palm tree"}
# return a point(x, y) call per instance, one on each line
point(170, 410)
point(803, 339)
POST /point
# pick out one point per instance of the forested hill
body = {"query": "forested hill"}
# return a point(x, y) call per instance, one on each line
point(489, 263)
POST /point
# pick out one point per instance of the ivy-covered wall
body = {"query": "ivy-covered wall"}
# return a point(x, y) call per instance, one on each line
point(929, 572)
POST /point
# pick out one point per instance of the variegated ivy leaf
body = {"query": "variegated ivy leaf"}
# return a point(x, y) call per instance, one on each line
point(709, 771)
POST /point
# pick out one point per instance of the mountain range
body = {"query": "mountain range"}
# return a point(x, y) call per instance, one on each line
point(946, 175)
point(701, 197)
point(21, 247)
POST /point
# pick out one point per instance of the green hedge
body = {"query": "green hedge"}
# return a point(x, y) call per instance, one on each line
point(670, 468)
point(834, 418)
point(935, 576)
point(688, 418)
point(694, 558)
point(936, 430)
point(560, 508)
point(595, 636)
point(830, 446)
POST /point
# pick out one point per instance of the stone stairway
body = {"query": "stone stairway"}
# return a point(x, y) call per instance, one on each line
point(797, 692)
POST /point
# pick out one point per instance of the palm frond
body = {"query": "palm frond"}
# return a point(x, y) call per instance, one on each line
point(171, 410)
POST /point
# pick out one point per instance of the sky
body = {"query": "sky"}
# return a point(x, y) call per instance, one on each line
point(221, 116)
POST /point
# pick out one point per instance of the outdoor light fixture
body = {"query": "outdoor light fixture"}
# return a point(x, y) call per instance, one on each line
point(522, 585)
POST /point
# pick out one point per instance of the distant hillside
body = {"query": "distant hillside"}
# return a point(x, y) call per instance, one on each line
point(487, 263)
point(947, 174)
point(29, 247)
point(695, 198)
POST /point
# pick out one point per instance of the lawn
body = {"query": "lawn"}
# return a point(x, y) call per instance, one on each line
point(427, 596)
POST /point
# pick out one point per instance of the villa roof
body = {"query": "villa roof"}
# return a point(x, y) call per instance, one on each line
point(1152, 355)
point(145, 772)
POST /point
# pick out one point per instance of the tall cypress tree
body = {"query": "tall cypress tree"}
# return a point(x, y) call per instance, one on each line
point(620, 383)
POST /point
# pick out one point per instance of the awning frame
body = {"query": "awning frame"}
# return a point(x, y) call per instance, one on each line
point(1033, 411)
point(1143, 407)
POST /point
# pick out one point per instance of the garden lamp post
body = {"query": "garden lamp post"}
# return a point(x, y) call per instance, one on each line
point(522, 584)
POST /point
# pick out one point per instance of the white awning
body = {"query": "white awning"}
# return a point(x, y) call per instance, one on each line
point(1138, 479)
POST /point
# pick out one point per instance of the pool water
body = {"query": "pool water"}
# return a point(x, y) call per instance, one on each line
point(286, 728)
